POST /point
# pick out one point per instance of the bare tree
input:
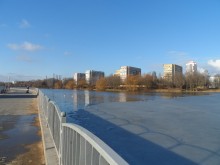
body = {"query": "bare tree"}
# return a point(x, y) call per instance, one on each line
point(179, 80)
point(101, 84)
point(148, 81)
point(69, 84)
point(217, 81)
point(113, 82)
point(195, 81)
point(133, 82)
point(82, 83)
point(58, 84)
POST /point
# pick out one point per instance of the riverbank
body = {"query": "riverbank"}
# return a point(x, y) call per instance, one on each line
point(183, 91)
point(20, 134)
point(170, 90)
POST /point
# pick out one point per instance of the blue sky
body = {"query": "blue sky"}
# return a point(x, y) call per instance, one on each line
point(42, 38)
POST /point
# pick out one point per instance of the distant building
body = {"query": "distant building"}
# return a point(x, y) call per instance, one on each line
point(191, 67)
point(214, 81)
point(126, 71)
point(154, 75)
point(92, 76)
point(79, 76)
point(171, 70)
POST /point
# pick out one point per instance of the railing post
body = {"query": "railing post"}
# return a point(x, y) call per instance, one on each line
point(47, 108)
point(62, 120)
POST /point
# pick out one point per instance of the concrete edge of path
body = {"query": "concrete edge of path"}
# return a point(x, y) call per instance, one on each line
point(50, 153)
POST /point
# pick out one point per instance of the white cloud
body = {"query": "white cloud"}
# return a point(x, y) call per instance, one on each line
point(26, 46)
point(214, 63)
point(24, 58)
point(24, 24)
point(14, 46)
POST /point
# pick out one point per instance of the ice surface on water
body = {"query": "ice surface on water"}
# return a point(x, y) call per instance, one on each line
point(153, 128)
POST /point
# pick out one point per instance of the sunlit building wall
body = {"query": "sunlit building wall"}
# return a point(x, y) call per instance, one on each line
point(171, 70)
point(79, 76)
point(191, 67)
point(126, 71)
point(92, 76)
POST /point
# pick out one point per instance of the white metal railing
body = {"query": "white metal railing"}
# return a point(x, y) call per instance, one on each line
point(74, 144)
point(82, 147)
point(54, 122)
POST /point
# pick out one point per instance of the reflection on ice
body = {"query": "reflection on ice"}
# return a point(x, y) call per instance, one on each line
point(122, 97)
point(87, 98)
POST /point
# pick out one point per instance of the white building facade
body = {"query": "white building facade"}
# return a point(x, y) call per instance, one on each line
point(191, 67)
point(92, 76)
point(172, 70)
point(126, 71)
point(78, 76)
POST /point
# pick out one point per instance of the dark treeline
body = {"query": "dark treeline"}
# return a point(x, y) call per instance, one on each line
point(192, 82)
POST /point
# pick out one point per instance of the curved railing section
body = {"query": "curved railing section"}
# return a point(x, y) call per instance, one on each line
point(74, 144)
point(87, 148)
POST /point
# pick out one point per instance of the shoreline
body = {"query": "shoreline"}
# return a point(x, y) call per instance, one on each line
point(166, 91)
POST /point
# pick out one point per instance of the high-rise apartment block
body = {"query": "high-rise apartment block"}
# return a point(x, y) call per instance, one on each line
point(191, 67)
point(171, 70)
point(78, 76)
point(126, 71)
point(92, 76)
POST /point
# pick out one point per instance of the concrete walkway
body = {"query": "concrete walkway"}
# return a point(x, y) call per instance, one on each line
point(17, 97)
point(20, 136)
point(17, 130)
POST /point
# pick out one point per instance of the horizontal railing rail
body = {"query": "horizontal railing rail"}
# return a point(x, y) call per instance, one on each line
point(81, 147)
point(74, 144)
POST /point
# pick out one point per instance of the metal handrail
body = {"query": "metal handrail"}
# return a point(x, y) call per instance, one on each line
point(90, 149)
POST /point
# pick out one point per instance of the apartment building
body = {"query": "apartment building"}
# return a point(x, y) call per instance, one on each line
point(92, 76)
point(78, 76)
point(191, 67)
point(125, 71)
point(171, 70)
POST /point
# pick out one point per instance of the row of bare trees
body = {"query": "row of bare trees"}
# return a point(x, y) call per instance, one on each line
point(195, 81)
point(132, 83)
point(189, 81)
